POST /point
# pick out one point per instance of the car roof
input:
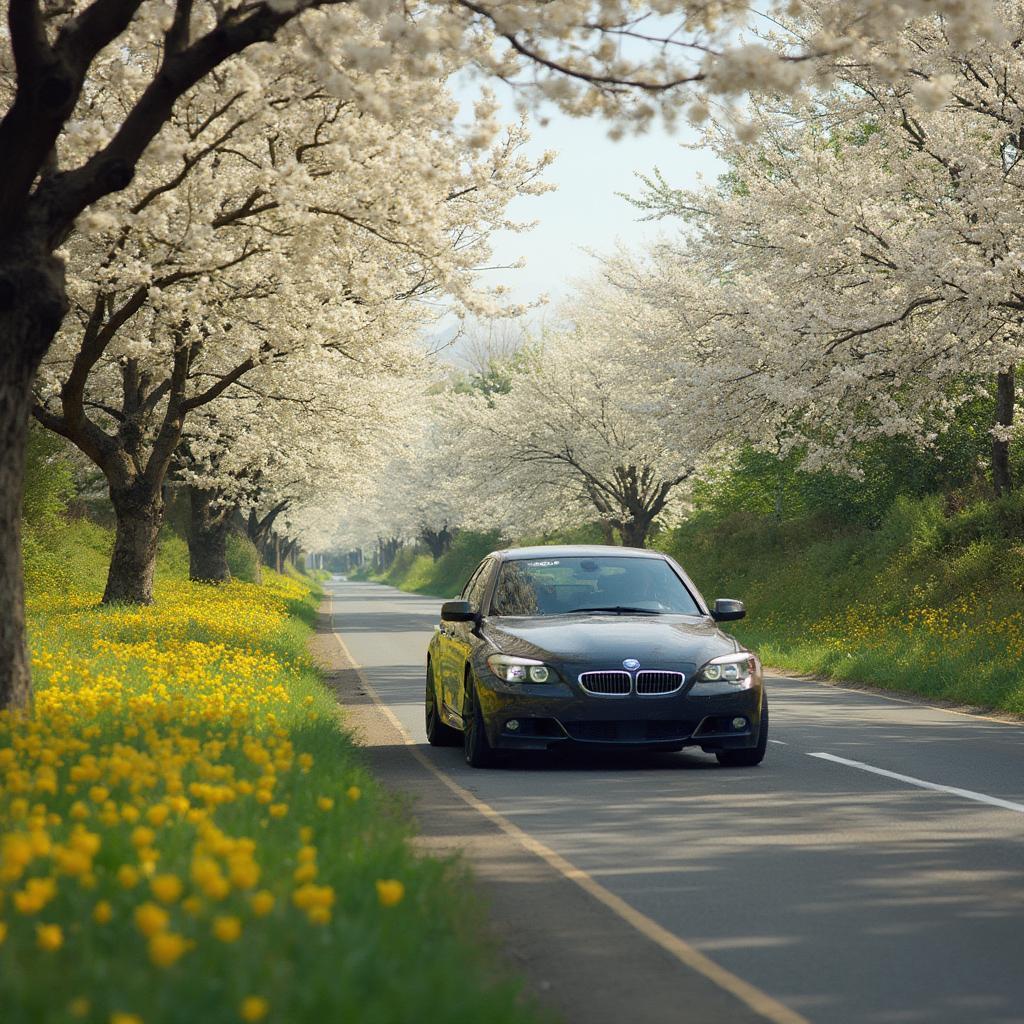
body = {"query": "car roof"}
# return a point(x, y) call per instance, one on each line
point(574, 550)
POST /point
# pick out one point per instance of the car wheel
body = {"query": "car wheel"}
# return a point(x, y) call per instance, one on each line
point(438, 734)
point(753, 756)
point(478, 750)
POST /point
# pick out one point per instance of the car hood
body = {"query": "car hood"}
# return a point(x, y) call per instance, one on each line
point(656, 641)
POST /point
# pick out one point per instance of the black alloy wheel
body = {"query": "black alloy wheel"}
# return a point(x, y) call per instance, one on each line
point(755, 755)
point(438, 734)
point(478, 750)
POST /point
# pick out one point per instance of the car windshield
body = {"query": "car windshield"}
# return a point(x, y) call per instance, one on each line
point(604, 583)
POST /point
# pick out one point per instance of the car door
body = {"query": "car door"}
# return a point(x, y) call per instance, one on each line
point(461, 635)
point(450, 666)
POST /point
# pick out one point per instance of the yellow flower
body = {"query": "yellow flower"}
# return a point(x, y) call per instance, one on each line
point(253, 1008)
point(102, 912)
point(192, 905)
point(166, 888)
point(318, 915)
point(278, 810)
point(125, 1018)
point(353, 793)
point(166, 948)
point(390, 891)
point(227, 928)
point(127, 876)
point(49, 937)
point(79, 1006)
point(3, 932)
point(262, 903)
point(150, 919)
point(325, 803)
point(305, 872)
point(143, 836)
point(157, 814)
point(305, 761)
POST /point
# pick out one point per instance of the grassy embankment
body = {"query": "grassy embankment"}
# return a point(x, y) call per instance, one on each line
point(186, 834)
point(929, 601)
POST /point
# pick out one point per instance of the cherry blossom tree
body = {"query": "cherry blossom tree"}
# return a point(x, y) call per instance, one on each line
point(54, 60)
point(254, 246)
point(295, 446)
point(603, 420)
point(866, 246)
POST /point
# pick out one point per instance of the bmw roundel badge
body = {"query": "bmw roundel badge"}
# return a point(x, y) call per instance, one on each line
point(631, 664)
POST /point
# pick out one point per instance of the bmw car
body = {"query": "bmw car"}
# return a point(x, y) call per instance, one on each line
point(603, 646)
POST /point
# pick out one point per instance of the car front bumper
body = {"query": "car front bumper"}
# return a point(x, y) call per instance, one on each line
point(542, 716)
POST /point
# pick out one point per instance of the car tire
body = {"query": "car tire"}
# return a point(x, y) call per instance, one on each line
point(755, 755)
point(438, 734)
point(477, 748)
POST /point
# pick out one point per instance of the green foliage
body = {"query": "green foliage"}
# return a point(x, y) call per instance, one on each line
point(760, 484)
point(243, 558)
point(446, 577)
point(49, 483)
point(930, 601)
point(73, 555)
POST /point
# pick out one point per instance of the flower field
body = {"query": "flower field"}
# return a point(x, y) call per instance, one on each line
point(186, 834)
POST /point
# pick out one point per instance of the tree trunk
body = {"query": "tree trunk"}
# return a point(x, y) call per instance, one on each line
point(634, 532)
point(15, 667)
point(140, 513)
point(607, 532)
point(33, 301)
point(1005, 396)
point(207, 538)
point(278, 561)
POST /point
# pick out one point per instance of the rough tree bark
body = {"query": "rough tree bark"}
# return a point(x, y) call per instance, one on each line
point(1002, 479)
point(32, 304)
point(437, 541)
point(634, 531)
point(140, 514)
point(208, 530)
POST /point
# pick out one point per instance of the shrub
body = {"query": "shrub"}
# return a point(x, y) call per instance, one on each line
point(243, 558)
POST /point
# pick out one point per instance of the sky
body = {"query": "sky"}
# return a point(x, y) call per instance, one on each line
point(585, 212)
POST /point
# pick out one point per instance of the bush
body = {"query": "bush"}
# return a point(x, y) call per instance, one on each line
point(243, 558)
point(49, 482)
point(419, 573)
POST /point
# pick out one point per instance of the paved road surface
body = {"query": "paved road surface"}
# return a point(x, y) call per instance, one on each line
point(845, 894)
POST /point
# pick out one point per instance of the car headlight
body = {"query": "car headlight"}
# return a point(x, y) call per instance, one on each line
point(737, 670)
point(518, 670)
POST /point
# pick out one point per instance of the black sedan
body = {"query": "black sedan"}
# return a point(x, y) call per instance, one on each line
point(591, 645)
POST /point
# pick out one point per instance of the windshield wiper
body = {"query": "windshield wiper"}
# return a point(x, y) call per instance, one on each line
point(618, 609)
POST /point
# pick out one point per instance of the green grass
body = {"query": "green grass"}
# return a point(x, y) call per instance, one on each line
point(420, 574)
point(931, 602)
point(174, 703)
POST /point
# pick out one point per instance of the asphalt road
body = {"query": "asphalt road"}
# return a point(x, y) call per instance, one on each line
point(847, 894)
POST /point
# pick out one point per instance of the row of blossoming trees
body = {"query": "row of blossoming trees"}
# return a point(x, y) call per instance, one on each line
point(222, 222)
point(858, 273)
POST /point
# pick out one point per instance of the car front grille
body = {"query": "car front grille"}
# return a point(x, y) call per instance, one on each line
point(653, 683)
point(629, 732)
point(607, 684)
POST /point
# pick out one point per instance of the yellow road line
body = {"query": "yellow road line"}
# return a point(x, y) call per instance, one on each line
point(758, 1001)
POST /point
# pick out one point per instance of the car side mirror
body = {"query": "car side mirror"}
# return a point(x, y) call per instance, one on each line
point(457, 611)
point(728, 610)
